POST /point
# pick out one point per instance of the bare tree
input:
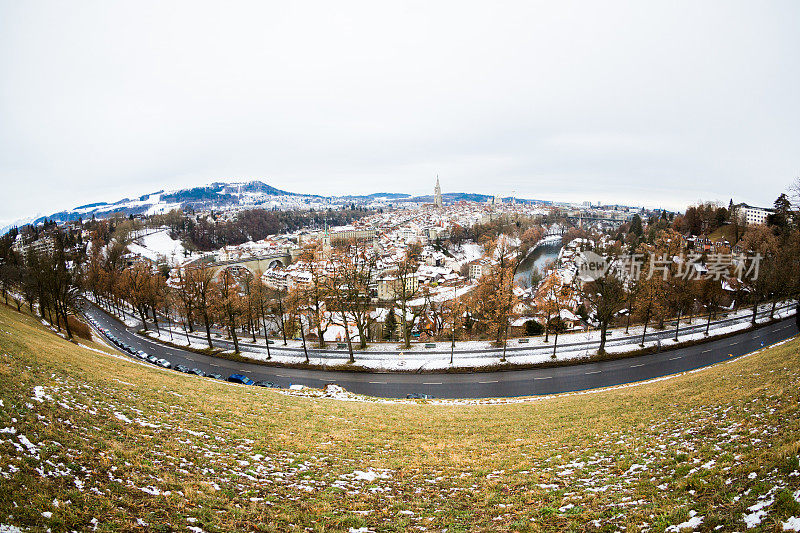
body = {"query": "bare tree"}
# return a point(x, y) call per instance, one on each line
point(228, 303)
point(348, 287)
point(406, 289)
point(608, 296)
point(201, 282)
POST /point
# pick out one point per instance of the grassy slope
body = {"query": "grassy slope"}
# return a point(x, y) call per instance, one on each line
point(724, 232)
point(243, 458)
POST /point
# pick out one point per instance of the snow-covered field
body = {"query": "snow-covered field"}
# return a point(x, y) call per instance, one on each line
point(158, 245)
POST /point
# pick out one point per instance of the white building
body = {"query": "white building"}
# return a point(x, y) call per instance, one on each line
point(752, 215)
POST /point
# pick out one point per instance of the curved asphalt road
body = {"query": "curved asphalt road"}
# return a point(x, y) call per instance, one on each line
point(532, 382)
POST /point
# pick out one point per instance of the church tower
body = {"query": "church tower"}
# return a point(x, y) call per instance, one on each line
point(326, 242)
point(437, 194)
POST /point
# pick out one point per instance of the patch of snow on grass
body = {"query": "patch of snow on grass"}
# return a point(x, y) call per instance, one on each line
point(793, 524)
point(693, 523)
point(39, 395)
point(757, 513)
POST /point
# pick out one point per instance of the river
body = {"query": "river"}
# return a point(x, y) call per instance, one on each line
point(536, 260)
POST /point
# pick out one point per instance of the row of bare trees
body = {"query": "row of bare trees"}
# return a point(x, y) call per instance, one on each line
point(47, 280)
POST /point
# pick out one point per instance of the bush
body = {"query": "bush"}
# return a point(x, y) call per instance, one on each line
point(532, 327)
point(79, 329)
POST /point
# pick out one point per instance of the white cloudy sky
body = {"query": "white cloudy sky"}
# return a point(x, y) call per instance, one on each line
point(650, 103)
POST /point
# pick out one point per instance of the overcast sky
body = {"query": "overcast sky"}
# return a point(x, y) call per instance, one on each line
point(632, 102)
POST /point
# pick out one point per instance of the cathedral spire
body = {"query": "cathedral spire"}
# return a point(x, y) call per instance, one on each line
point(437, 194)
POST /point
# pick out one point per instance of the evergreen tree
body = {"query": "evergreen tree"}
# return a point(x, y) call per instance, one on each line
point(636, 226)
point(390, 325)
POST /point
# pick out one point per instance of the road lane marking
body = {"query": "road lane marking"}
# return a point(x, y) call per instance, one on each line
point(595, 372)
point(673, 358)
point(704, 351)
point(433, 383)
point(546, 377)
point(378, 382)
point(635, 366)
point(484, 382)
point(212, 364)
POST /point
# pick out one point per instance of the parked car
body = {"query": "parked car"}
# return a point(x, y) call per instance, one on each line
point(164, 363)
point(197, 372)
point(418, 396)
point(153, 359)
point(214, 376)
point(240, 378)
point(141, 354)
point(265, 384)
point(181, 368)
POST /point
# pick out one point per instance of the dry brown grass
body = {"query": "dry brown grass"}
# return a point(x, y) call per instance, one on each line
point(479, 467)
point(79, 328)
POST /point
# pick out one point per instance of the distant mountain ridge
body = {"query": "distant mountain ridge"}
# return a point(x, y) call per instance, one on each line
point(222, 195)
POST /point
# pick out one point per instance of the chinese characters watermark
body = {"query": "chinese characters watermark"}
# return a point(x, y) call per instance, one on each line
point(693, 266)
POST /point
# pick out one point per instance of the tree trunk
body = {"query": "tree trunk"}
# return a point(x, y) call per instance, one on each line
point(283, 324)
point(677, 326)
point(264, 323)
point(644, 331)
point(362, 335)
point(555, 343)
point(141, 314)
point(406, 327)
point(603, 332)
point(347, 335)
point(303, 335)
point(207, 324)
point(232, 329)
point(797, 315)
point(320, 333)
point(66, 323)
point(547, 328)
point(708, 324)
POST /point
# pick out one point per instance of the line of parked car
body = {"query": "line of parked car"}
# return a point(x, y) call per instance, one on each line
point(163, 363)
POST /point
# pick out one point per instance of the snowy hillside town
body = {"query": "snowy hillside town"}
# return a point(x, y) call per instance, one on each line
point(411, 274)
